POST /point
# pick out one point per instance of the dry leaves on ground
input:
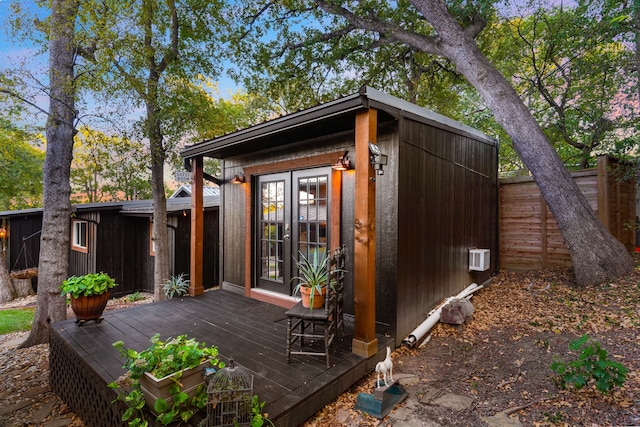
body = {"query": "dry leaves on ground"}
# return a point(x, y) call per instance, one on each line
point(500, 357)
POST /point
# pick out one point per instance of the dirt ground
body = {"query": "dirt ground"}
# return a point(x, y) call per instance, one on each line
point(499, 358)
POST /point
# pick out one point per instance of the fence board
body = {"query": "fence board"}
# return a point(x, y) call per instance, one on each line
point(529, 235)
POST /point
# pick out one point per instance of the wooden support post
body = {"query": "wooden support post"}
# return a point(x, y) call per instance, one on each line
point(365, 342)
point(197, 228)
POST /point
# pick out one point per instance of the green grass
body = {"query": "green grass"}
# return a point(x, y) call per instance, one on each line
point(14, 320)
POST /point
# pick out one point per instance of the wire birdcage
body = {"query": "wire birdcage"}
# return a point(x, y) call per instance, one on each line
point(229, 395)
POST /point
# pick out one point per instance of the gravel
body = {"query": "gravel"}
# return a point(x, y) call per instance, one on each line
point(25, 396)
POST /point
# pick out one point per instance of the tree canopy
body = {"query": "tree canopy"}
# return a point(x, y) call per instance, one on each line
point(20, 167)
point(310, 32)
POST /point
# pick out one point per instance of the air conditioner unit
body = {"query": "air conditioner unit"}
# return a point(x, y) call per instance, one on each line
point(479, 259)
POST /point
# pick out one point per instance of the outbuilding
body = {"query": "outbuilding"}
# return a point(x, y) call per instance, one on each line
point(410, 194)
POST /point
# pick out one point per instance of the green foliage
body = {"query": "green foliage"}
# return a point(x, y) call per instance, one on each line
point(570, 65)
point(313, 273)
point(160, 359)
point(136, 296)
point(20, 168)
point(108, 167)
point(592, 365)
point(14, 320)
point(176, 286)
point(89, 284)
point(258, 418)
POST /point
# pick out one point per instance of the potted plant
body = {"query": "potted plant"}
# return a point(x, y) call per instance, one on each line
point(313, 279)
point(89, 295)
point(167, 378)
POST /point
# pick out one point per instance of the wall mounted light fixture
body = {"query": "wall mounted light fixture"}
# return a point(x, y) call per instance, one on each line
point(4, 235)
point(342, 163)
point(377, 159)
point(237, 179)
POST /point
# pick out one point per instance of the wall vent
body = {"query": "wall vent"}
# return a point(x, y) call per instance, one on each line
point(479, 259)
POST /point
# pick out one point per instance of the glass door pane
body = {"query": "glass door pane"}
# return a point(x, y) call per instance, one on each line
point(292, 215)
point(273, 233)
point(312, 208)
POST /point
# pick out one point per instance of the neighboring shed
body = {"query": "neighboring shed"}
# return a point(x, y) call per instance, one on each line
point(185, 191)
point(407, 232)
point(115, 238)
point(529, 235)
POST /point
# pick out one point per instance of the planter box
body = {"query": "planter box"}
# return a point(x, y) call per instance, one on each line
point(157, 388)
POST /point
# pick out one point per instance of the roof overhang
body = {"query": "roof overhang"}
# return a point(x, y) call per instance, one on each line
point(329, 118)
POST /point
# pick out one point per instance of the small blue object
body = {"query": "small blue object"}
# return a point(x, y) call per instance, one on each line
point(382, 402)
point(209, 371)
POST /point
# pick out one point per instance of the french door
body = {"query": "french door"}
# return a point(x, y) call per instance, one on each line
point(292, 210)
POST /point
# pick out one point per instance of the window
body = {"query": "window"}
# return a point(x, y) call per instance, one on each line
point(79, 235)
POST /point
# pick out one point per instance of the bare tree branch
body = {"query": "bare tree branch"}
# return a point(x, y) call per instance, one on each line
point(22, 99)
point(390, 30)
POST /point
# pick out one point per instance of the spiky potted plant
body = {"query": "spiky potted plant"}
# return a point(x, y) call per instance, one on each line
point(313, 278)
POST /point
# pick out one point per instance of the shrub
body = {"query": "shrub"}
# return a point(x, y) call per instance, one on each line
point(592, 365)
point(136, 296)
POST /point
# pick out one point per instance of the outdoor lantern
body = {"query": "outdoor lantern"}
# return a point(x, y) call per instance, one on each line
point(342, 163)
point(238, 179)
point(3, 233)
point(229, 395)
point(377, 159)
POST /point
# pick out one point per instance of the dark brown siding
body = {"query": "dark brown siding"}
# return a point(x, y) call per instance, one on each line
point(21, 253)
point(210, 257)
point(447, 198)
point(436, 200)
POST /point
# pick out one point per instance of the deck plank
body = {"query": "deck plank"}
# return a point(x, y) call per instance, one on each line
point(251, 332)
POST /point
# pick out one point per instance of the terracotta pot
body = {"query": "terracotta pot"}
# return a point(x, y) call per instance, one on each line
point(89, 308)
point(318, 298)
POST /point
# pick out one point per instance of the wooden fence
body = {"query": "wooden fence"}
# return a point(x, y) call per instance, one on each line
point(529, 236)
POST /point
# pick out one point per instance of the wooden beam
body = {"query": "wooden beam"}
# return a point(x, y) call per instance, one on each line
point(197, 228)
point(364, 342)
point(248, 232)
point(336, 209)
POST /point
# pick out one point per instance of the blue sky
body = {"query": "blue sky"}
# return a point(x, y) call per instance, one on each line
point(15, 52)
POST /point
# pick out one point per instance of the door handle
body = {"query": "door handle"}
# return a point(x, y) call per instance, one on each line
point(286, 236)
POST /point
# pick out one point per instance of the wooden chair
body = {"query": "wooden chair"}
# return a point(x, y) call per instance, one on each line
point(325, 323)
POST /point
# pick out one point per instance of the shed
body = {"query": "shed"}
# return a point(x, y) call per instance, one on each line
point(418, 192)
point(115, 238)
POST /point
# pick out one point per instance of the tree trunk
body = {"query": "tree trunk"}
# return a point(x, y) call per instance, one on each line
point(597, 256)
point(7, 291)
point(54, 244)
point(161, 270)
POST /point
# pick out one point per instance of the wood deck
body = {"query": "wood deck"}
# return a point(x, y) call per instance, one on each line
point(253, 333)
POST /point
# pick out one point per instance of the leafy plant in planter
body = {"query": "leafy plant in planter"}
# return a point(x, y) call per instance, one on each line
point(89, 294)
point(173, 359)
point(176, 286)
point(313, 279)
point(87, 285)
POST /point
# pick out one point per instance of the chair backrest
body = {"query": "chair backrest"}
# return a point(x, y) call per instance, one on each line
point(335, 291)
